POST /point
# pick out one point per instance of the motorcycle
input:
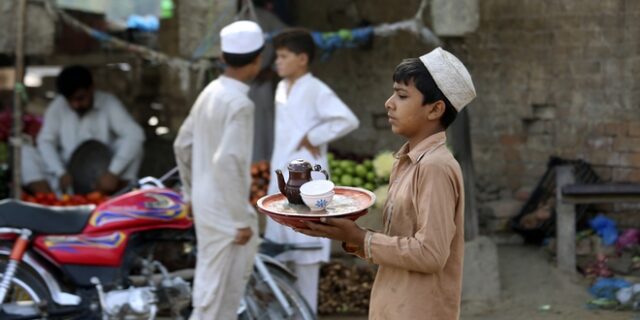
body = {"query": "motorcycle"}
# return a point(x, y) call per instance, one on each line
point(88, 262)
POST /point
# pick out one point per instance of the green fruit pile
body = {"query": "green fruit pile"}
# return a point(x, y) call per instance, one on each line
point(350, 173)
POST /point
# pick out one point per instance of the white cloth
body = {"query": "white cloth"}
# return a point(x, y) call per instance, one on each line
point(63, 130)
point(451, 76)
point(33, 167)
point(308, 276)
point(222, 272)
point(310, 109)
point(241, 37)
point(213, 152)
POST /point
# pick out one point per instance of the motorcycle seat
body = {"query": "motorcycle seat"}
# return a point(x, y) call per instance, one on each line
point(44, 220)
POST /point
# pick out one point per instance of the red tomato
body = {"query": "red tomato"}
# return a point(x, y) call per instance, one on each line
point(94, 196)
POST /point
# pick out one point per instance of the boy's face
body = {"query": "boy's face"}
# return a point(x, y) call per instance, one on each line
point(407, 115)
point(290, 64)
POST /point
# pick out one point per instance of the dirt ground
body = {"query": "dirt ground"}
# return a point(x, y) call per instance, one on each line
point(529, 281)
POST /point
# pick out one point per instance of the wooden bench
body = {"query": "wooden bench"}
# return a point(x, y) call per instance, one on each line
point(569, 194)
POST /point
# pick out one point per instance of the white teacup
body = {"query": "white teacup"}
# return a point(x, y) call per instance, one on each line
point(317, 187)
point(317, 202)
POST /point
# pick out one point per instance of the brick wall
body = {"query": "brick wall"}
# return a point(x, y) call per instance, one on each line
point(553, 78)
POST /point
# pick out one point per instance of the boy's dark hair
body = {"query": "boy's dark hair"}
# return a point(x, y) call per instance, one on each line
point(72, 79)
point(238, 60)
point(296, 40)
point(414, 70)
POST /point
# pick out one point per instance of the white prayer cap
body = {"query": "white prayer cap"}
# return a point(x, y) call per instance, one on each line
point(241, 37)
point(451, 76)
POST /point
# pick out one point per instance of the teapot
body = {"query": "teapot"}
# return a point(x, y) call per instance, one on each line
point(299, 174)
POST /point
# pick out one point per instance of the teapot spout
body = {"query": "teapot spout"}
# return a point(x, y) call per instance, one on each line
point(281, 183)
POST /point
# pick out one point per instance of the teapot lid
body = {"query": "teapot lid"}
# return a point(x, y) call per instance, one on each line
point(299, 165)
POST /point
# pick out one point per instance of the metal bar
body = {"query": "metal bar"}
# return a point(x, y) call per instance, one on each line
point(264, 272)
point(17, 100)
point(169, 174)
point(590, 199)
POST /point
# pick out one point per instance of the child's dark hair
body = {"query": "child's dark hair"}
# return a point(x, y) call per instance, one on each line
point(296, 40)
point(72, 79)
point(414, 70)
point(238, 60)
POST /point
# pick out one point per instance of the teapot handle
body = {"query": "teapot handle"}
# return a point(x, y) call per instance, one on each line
point(317, 167)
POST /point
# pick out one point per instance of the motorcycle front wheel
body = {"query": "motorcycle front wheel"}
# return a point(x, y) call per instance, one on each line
point(262, 304)
point(26, 295)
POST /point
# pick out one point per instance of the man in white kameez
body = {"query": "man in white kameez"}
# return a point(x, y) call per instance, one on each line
point(213, 152)
point(78, 114)
point(309, 115)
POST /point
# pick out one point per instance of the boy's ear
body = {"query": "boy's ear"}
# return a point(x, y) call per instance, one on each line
point(437, 110)
point(304, 58)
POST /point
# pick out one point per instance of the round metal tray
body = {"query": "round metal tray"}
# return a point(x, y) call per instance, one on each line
point(348, 202)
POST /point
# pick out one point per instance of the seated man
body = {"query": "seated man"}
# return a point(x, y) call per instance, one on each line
point(78, 114)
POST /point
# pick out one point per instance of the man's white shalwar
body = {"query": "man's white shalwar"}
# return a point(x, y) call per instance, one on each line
point(213, 152)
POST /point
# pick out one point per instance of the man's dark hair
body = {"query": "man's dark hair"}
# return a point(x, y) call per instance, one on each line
point(72, 79)
point(296, 40)
point(238, 60)
point(414, 70)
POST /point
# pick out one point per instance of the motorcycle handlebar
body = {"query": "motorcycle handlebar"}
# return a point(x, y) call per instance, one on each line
point(155, 182)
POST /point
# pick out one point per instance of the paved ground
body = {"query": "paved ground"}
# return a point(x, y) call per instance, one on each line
point(530, 281)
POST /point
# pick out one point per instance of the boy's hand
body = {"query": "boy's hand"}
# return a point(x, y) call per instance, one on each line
point(337, 229)
point(315, 151)
point(243, 236)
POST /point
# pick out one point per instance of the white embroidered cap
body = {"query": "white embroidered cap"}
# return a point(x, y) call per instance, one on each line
point(241, 37)
point(451, 76)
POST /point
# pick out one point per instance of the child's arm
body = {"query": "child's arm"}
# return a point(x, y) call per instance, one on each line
point(232, 163)
point(427, 251)
point(182, 149)
point(336, 119)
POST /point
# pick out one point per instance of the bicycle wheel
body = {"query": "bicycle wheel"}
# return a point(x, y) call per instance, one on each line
point(262, 304)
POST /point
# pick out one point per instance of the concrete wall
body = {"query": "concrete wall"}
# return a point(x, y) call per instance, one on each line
point(39, 29)
point(555, 77)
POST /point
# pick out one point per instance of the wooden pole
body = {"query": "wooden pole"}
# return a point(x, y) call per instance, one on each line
point(566, 222)
point(460, 135)
point(17, 99)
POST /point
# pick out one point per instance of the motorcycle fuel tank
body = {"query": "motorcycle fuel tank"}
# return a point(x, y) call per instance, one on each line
point(111, 225)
